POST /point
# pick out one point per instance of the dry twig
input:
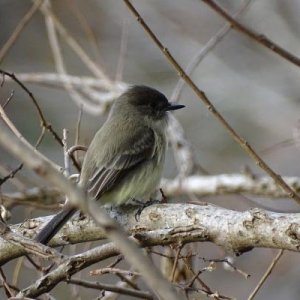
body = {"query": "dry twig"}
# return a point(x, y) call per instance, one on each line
point(259, 38)
point(202, 96)
point(20, 27)
point(267, 274)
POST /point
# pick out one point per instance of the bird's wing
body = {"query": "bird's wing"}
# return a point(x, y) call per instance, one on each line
point(106, 176)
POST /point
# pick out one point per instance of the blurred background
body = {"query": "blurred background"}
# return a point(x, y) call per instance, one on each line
point(256, 90)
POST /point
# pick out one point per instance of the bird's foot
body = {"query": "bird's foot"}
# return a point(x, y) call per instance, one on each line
point(142, 205)
point(164, 198)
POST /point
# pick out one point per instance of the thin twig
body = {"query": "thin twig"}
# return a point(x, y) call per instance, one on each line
point(17, 270)
point(231, 265)
point(190, 284)
point(89, 63)
point(214, 295)
point(259, 38)
point(67, 169)
point(13, 128)
point(83, 21)
point(108, 270)
point(213, 41)
point(20, 27)
point(75, 148)
point(44, 122)
point(113, 288)
point(34, 265)
point(202, 283)
point(60, 66)
point(181, 147)
point(172, 256)
point(74, 288)
point(116, 262)
point(176, 262)
point(19, 183)
point(128, 279)
point(277, 146)
point(8, 99)
point(77, 132)
point(6, 286)
point(58, 57)
point(267, 273)
point(123, 49)
point(11, 174)
point(45, 125)
point(57, 80)
point(201, 95)
point(96, 97)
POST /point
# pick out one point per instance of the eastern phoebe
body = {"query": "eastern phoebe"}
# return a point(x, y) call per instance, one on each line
point(126, 157)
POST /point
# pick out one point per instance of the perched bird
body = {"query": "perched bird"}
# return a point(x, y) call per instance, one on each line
point(125, 158)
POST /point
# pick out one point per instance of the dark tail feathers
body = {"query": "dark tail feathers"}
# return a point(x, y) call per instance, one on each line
point(54, 225)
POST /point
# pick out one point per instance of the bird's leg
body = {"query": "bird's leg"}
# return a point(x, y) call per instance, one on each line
point(81, 216)
point(163, 196)
point(142, 205)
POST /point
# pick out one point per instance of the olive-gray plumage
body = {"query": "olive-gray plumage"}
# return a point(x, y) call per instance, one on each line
point(126, 157)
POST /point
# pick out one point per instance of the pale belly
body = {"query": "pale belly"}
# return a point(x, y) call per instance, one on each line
point(140, 186)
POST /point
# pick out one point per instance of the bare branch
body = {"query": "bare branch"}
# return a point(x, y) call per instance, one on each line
point(37, 197)
point(201, 95)
point(259, 38)
point(267, 274)
point(223, 184)
point(112, 288)
point(98, 97)
point(77, 48)
point(201, 186)
point(57, 80)
point(178, 223)
point(28, 245)
point(182, 149)
point(196, 60)
point(44, 122)
point(59, 61)
point(17, 133)
point(20, 27)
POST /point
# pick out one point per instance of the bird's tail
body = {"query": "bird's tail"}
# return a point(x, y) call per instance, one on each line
point(54, 225)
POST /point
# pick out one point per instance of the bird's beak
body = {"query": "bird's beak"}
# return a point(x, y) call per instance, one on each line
point(172, 106)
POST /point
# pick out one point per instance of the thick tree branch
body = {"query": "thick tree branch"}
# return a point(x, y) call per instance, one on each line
point(179, 223)
point(172, 223)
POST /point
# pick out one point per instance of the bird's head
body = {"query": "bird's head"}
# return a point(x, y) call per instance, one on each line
point(145, 102)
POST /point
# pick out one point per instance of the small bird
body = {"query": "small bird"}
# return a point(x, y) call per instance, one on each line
point(126, 157)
